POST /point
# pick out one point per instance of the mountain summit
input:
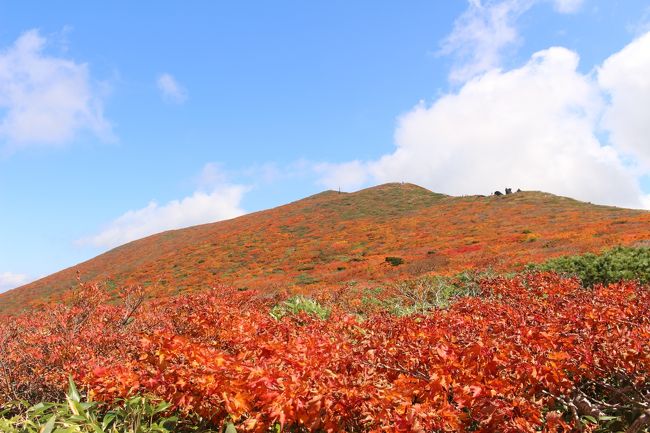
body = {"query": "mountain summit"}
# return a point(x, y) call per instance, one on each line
point(377, 234)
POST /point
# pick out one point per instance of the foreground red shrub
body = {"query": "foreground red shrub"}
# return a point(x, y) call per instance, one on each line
point(532, 353)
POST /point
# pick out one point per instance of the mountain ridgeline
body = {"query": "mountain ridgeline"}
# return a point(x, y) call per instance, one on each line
point(379, 234)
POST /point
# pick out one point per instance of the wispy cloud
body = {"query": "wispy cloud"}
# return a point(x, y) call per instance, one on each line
point(171, 89)
point(46, 100)
point(214, 200)
point(642, 25)
point(486, 31)
point(10, 280)
point(481, 35)
point(568, 6)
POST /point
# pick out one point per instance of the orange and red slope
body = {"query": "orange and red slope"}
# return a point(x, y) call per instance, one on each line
point(331, 239)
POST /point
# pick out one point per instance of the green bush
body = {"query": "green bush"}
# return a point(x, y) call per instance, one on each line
point(299, 304)
point(394, 261)
point(620, 263)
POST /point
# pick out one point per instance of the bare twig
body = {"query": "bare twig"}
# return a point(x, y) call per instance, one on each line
point(640, 423)
point(572, 407)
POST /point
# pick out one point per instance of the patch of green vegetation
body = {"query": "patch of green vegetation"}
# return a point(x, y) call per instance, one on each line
point(169, 235)
point(620, 263)
point(381, 202)
point(305, 279)
point(299, 304)
point(297, 230)
point(426, 293)
point(137, 414)
point(111, 286)
point(394, 261)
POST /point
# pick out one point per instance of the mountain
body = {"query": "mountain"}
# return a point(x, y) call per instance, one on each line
point(333, 238)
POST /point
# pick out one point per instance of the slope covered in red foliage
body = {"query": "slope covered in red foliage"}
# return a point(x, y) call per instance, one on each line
point(330, 239)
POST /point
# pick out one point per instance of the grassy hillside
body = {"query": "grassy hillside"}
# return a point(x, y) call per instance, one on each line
point(334, 238)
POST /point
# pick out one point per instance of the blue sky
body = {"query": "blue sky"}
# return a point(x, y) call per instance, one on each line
point(122, 119)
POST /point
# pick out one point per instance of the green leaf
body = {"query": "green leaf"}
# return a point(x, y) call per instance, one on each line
point(49, 425)
point(591, 419)
point(75, 407)
point(230, 428)
point(38, 408)
point(161, 407)
point(108, 419)
point(73, 393)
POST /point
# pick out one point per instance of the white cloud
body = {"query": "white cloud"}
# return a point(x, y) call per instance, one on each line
point(10, 280)
point(533, 127)
point(483, 34)
point(45, 100)
point(646, 201)
point(625, 76)
point(642, 25)
point(171, 90)
point(222, 202)
point(348, 175)
point(212, 175)
point(567, 6)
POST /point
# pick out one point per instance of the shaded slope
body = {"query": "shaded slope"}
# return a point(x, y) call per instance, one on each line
point(333, 238)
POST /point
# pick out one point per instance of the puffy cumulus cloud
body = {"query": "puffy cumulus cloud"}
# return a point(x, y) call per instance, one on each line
point(533, 127)
point(171, 89)
point(201, 207)
point(625, 77)
point(46, 100)
point(10, 280)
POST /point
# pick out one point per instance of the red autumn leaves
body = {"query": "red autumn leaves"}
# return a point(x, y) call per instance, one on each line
point(500, 362)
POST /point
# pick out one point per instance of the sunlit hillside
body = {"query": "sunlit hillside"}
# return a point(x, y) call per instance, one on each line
point(331, 239)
